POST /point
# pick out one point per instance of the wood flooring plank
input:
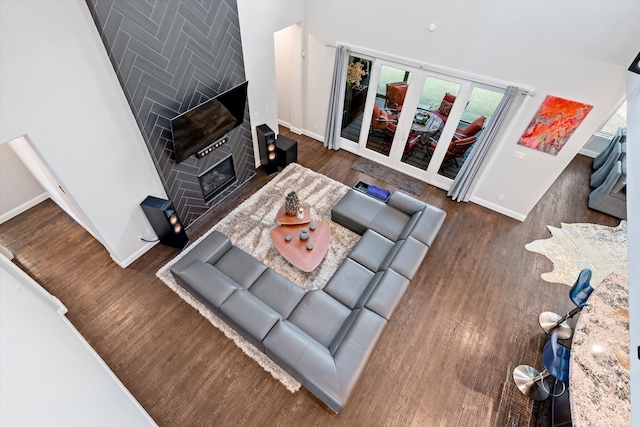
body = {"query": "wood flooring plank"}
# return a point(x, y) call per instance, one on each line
point(445, 358)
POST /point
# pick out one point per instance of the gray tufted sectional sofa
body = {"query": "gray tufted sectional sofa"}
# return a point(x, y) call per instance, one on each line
point(322, 338)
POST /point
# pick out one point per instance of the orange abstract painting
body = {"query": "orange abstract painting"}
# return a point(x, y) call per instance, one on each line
point(554, 122)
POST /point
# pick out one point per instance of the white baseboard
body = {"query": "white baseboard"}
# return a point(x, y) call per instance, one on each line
point(498, 208)
point(284, 124)
point(287, 125)
point(312, 135)
point(23, 207)
point(134, 256)
point(297, 131)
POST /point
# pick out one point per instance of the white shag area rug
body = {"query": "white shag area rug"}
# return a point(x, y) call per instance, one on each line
point(574, 247)
point(249, 225)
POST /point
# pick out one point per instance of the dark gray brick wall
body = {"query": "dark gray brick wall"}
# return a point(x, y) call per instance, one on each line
point(171, 55)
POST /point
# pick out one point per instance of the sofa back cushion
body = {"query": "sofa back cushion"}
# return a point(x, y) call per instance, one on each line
point(410, 224)
point(342, 332)
point(240, 266)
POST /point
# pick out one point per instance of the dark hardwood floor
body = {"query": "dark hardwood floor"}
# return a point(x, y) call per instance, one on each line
point(445, 358)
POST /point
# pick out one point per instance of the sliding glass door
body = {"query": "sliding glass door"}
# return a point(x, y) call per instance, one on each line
point(436, 99)
point(480, 107)
point(413, 120)
point(391, 90)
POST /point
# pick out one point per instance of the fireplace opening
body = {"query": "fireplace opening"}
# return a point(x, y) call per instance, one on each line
point(214, 180)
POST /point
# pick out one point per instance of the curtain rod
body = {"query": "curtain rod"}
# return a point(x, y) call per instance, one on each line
point(523, 91)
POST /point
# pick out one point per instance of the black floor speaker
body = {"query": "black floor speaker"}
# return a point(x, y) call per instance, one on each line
point(165, 222)
point(267, 148)
point(287, 150)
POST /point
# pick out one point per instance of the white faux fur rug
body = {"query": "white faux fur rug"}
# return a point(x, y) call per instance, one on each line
point(249, 225)
point(574, 247)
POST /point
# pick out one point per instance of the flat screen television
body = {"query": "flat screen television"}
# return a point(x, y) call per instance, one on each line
point(206, 123)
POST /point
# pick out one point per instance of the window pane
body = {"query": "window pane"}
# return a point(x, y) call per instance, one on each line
point(482, 104)
point(391, 75)
point(434, 91)
point(436, 100)
point(354, 98)
point(392, 89)
point(618, 120)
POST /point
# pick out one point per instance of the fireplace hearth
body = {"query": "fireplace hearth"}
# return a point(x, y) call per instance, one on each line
point(215, 179)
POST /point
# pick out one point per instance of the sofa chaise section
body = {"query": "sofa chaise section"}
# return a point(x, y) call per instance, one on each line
point(400, 217)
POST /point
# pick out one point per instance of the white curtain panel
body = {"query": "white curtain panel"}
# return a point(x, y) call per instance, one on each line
point(465, 181)
point(334, 118)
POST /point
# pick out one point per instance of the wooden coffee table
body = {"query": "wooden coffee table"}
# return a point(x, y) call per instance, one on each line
point(283, 219)
point(295, 251)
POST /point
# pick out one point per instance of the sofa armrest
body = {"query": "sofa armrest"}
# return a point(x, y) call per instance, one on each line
point(209, 250)
point(608, 184)
point(206, 283)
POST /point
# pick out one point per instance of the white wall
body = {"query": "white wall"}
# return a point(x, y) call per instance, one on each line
point(59, 88)
point(50, 375)
point(19, 190)
point(259, 20)
point(289, 77)
point(582, 55)
point(282, 45)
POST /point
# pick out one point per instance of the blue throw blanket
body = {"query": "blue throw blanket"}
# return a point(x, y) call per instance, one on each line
point(377, 192)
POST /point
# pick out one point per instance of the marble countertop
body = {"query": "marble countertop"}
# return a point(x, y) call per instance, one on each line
point(599, 366)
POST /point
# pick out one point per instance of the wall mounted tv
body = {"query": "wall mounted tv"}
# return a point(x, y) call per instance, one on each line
point(208, 122)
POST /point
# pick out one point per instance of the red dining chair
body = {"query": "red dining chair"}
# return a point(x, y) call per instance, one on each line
point(457, 147)
point(445, 107)
point(381, 118)
point(396, 92)
point(473, 128)
point(412, 143)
